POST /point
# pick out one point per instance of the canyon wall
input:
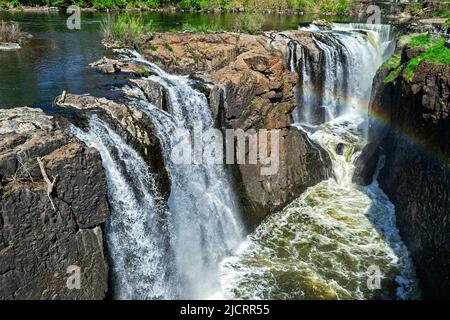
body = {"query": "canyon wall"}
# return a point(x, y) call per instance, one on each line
point(410, 125)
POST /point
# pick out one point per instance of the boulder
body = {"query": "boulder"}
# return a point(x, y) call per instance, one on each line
point(44, 236)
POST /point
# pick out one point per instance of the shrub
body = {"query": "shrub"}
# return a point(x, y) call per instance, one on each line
point(11, 32)
point(125, 28)
point(250, 22)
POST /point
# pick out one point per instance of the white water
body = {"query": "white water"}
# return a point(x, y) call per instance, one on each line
point(205, 215)
point(325, 244)
point(137, 233)
point(351, 56)
point(320, 246)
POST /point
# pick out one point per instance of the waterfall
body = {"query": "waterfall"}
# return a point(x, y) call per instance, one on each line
point(205, 216)
point(137, 233)
point(350, 55)
point(336, 237)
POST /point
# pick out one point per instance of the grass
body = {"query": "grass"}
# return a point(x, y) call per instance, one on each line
point(127, 29)
point(423, 41)
point(203, 28)
point(335, 6)
point(393, 62)
point(11, 32)
point(393, 75)
point(250, 22)
point(447, 23)
point(435, 52)
point(442, 13)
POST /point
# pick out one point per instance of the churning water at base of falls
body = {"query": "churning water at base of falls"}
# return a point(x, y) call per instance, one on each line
point(327, 243)
point(337, 240)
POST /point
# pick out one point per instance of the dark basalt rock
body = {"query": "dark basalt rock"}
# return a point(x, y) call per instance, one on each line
point(415, 137)
point(37, 242)
point(366, 164)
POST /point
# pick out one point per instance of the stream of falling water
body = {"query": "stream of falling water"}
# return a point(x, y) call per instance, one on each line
point(337, 238)
point(137, 233)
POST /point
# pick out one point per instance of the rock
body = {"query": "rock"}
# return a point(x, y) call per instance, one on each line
point(154, 92)
point(110, 66)
point(131, 123)
point(249, 85)
point(38, 243)
point(9, 46)
point(415, 136)
point(24, 120)
point(366, 165)
point(322, 24)
point(302, 164)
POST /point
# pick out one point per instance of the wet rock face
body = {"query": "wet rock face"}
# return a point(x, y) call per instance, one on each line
point(415, 135)
point(366, 164)
point(40, 238)
point(302, 164)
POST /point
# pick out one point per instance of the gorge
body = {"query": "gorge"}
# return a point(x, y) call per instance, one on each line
point(355, 198)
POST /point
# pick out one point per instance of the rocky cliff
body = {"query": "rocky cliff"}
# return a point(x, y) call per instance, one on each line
point(250, 85)
point(50, 214)
point(410, 124)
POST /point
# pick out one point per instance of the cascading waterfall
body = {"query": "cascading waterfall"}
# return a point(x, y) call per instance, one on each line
point(350, 55)
point(336, 238)
point(204, 216)
point(137, 233)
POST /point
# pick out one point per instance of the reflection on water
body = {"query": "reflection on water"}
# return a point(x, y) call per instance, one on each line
point(57, 59)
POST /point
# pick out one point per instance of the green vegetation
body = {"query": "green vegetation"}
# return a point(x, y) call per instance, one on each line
point(332, 6)
point(422, 41)
point(126, 28)
point(447, 23)
point(442, 13)
point(250, 22)
point(435, 52)
point(168, 47)
point(335, 6)
point(393, 62)
point(11, 32)
point(203, 28)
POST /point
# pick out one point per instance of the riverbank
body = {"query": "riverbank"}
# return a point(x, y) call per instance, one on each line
point(349, 8)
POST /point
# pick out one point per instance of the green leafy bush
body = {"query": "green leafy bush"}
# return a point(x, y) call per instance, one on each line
point(250, 22)
point(126, 28)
